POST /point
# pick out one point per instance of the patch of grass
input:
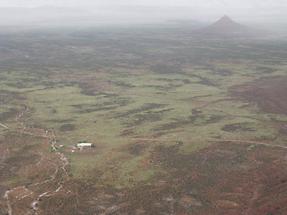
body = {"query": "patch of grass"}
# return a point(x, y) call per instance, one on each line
point(153, 92)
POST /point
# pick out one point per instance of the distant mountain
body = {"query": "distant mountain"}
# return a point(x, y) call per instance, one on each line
point(227, 27)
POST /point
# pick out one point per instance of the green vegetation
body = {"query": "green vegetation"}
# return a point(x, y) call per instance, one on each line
point(120, 95)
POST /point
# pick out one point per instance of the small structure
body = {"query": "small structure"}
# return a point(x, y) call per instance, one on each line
point(82, 146)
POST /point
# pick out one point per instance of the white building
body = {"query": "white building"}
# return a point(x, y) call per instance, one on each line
point(82, 146)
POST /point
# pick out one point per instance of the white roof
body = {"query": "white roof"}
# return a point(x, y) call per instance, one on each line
point(84, 144)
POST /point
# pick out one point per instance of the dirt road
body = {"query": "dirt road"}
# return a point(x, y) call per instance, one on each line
point(38, 190)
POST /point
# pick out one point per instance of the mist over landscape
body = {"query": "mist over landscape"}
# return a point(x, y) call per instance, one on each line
point(143, 107)
point(61, 12)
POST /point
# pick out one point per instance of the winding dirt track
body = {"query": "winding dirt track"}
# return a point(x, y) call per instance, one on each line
point(60, 164)
point(31, 195)
point(4, 126)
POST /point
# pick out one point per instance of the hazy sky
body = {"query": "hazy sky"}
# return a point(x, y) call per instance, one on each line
point(153, 10)
point(202, 3)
